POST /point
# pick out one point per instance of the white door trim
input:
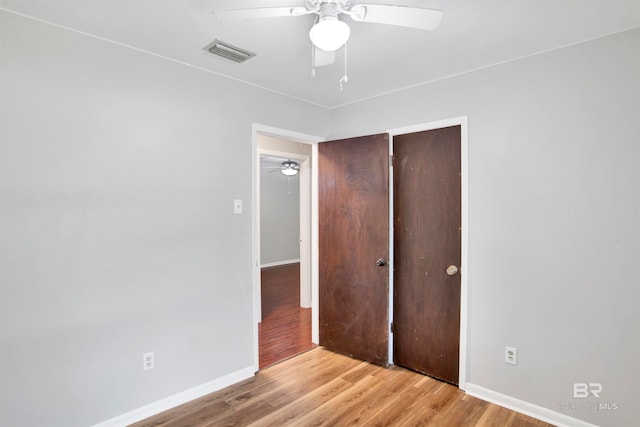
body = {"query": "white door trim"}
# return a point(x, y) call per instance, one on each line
point(256, 129)
point(464, 265)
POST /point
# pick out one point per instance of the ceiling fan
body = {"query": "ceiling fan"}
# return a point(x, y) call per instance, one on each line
point(288, 167)
point(328, 32)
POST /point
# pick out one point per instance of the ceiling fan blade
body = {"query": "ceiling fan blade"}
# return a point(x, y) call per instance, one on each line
point(260, 12)
point(404, 16)
point(323, 58)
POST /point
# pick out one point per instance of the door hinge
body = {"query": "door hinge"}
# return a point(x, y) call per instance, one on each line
point(393, 328)
point(390, 160)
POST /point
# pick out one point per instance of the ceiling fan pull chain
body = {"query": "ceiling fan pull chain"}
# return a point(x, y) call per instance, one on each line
point(345, 78)
point(313, 47)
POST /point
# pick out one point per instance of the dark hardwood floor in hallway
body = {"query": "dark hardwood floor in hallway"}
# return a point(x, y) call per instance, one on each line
point(285, 329)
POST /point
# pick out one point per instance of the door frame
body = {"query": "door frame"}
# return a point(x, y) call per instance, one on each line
point(464, 264)
point(258, 129)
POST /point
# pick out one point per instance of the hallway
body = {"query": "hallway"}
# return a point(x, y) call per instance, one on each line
point(285, 330)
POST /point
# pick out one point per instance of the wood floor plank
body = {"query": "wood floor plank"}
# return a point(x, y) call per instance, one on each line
point(495, 416)
point(396, 385)
point(428, 406)
point(305, 362)
point(282, 377)
point(290, 393)
point(464, 411)
point(395, 378)
point(287, 415)
point(398, 408)
point(286, 389)
point(199, 416)
point(360, 371)
point(285, 330)
point(192, 413)
point(517, 421)
point(334, 410)
point(250, 414)
point(379, 400)
point(362, 409)
point(319, 388)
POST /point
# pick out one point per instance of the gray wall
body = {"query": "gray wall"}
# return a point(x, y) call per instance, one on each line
point(279, 217)
point(119, 171)
point(554, 217)
point(118, 235)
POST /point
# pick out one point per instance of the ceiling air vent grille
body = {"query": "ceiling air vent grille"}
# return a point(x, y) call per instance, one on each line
point(228, 51)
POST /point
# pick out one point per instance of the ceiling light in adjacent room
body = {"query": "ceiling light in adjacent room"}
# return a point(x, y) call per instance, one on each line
point(289, 168)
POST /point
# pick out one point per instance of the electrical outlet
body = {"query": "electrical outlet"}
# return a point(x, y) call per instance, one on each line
point(511, 355)
point(147, 361)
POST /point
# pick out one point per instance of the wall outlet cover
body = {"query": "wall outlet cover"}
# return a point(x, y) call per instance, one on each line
point(511, 355)
point(148, 361)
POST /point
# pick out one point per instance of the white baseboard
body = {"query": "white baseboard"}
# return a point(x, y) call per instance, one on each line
point(526, 408)
point(177, 399)
point(277, 263)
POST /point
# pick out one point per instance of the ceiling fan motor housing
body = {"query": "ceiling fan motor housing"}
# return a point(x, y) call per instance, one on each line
point(328, 10)
point(329, 33)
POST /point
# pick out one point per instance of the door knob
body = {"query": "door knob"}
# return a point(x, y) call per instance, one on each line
point(380, 262)
point(451, 270)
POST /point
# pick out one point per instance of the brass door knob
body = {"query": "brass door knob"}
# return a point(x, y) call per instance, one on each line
point(452, 270)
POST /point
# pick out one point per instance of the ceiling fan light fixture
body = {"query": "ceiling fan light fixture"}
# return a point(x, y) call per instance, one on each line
point(289, 168)
point(289, 172)
point(329, 34)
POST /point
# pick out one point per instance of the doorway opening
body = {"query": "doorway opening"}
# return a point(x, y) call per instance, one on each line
point(282, 236)
point(285, 329)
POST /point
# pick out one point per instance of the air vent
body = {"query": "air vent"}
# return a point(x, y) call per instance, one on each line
point(228, 51)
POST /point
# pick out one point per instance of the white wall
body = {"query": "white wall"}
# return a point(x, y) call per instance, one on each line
point(554, 217)
point(279, 217)
point(119, 170)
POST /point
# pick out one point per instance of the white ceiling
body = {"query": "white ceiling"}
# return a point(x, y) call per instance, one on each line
point(381, 58)
point(270, 162)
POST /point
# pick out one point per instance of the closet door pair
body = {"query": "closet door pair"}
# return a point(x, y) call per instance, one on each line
point(354, 205)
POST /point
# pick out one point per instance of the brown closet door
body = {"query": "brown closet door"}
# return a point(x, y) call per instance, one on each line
point(353, 196)
point(427, 232)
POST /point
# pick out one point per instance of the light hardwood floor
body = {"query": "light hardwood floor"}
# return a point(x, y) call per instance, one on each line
point(320, 388)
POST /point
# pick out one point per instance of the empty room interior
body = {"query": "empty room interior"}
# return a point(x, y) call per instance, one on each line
point(217, 213)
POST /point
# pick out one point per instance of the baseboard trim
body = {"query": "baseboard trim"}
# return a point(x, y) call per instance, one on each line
point(278, 263)
point(526, 408)
point(177, 399)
